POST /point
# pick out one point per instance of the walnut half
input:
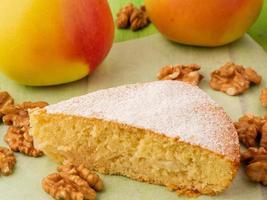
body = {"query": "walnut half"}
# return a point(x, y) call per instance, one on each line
point(123, 16)
point(133, 17)
point(139, 19)
point(17, 115)
point(17, 136)
point(233, 79)
point(186, 73)
point(7, 161)
point(19, 140)
point(248, 128)
point(256, 160)
point(73, 183)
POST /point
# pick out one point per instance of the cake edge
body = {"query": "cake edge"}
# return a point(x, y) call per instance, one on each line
point(235, 164)
point(215, 118)
point(235, 157)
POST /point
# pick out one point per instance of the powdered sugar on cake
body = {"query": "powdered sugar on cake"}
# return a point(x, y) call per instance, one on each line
point(172, 108)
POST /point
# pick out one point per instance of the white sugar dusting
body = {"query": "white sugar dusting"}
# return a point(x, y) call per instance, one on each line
point(172, 108)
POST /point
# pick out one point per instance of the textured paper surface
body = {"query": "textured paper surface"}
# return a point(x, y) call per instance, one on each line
point(131, 62)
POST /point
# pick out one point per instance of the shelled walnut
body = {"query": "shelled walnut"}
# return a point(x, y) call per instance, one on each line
point(123, 16)
point(17, 136)
point(233, 79)
point(248, 128)
point(186, 73)
point(256, 160)
point(17, 115)
point(19, 140)
point(5, 101)
point(133, 17)
point(263, 97)
point(73, 183)
point(139, 19)
point(7, 161)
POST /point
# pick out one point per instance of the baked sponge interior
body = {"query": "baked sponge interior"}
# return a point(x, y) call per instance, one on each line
point(113, 148)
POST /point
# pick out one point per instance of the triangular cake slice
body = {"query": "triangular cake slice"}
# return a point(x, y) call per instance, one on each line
point(165, 132)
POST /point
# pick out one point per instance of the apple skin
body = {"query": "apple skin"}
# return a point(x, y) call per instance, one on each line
point(203, 23)
point(53, 42)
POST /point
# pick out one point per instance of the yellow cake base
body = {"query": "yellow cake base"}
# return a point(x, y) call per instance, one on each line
point(113, 148)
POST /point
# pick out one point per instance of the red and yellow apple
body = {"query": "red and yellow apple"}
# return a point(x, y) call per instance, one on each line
point(203, 23)
point(48, 42)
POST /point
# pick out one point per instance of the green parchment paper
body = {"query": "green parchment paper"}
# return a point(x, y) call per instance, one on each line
point(130, 62)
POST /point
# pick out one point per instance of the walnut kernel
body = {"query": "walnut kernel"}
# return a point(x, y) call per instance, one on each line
point(133, 17)
point(139, 19)
point(73, 183)
point(7, 161)
point(19, 140)
point(252, 130)
point(123, 16)
point(248, 128)
point(256, 160)
point(186, 73)
point(17, 115)
point(233, 79)
point(17, 136)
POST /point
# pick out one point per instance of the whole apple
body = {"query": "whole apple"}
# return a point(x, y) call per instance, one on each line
point(203, 23)
point(48, 42)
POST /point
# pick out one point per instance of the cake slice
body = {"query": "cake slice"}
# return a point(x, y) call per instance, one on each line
point(166, 132)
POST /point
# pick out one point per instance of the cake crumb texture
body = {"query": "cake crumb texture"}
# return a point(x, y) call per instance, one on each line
point(118, 149)
point(171, 108)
